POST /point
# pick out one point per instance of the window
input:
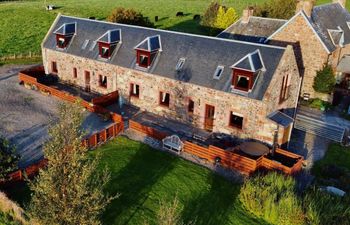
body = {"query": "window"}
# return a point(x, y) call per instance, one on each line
point(236, 121)
point(105, 52)
point(190, 106)
point(135, 90)
point(242, 82)
point(285, 88)
point(103, 81)
point(61, 43)
point(164, 99)
point(92, 46)
point(54, 67)
point(218, 72)
point(86, 42)
point(143, 60)
point(180, 64)
point(75, 73)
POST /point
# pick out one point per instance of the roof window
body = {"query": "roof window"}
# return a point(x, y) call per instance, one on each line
point(180, 64)
point(218, 72)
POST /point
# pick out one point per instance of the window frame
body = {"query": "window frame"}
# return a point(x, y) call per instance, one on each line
point(161, 103)
point(190, 106)
point(75, 73)
point(218, 68)
point(54, 68)
point(230, 122)
point(242, 73)
point(132, 94)
point(180, 64)
point(101, 81)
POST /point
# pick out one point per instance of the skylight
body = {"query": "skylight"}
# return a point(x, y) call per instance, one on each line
point(92, 45)
point(86, 42)
point(180, 64)
point(218, 72)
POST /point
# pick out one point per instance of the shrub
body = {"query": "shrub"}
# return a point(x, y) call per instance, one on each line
point(272, 197)
point(325, 80)
point(8, 158)
point(129, 16)
point(210, 15)
point(225, 17)
point(324, 208)
point(282, 9)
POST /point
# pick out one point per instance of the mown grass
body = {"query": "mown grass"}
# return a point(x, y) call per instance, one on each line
point(24, 24)
point(143, 176)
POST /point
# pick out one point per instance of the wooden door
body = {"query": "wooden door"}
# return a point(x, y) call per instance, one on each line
point(87, 80)
point(209, 117)
point(286, 135)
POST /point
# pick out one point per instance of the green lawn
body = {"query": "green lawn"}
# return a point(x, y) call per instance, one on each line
point(143, 176)
point(24, 24)
point(334, 168)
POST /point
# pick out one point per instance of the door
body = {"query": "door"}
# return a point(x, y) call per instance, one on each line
point(87, 81)
point(209, 117)
point(286, 136)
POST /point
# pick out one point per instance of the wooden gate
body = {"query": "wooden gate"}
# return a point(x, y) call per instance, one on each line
point(209, 117)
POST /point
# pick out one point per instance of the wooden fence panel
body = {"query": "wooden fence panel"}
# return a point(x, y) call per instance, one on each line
point(149, 131)
point(106, 100)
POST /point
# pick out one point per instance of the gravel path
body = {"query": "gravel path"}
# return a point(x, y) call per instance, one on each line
point(26, 114)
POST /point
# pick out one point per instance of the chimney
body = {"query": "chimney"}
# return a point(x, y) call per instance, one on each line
point(247, 13)
point(306, 5)
point(341, 2)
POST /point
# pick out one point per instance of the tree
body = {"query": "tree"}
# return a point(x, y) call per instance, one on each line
point(324, 81)
point(70, 190)
point(8, 158)
point(169, 213)
point(225, 17)
point(282, 9)
point(129, 16)
point(210, 15)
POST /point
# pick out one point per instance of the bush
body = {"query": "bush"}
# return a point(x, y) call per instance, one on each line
point(225, 17)
point(282, 9)
point(8, 158)
point(324, 208)
point(129, 16)
point(325, 80)
point(272, 197)
point(209, 17)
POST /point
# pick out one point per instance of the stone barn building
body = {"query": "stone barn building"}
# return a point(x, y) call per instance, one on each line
point(320, 35)
point(244, 89)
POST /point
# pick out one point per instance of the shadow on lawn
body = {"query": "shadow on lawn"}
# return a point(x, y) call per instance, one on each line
point(134, 182)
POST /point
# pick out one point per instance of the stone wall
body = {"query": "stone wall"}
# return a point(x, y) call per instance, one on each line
point(312, 54)
point(254, 112)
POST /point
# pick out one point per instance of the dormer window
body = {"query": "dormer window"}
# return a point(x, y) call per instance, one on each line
point(107, 43)
point(64, 35)
point(337, 36)
point(147, 51)
point(218, 72)
point(246, 71)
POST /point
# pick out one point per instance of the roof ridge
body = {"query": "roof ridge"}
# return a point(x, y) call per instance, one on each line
point(179, 33)
point(268, 18)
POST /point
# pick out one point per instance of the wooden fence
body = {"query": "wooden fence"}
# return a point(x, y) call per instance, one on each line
point(106, 100)
point(91, 142)
point(28, 55)
point(149, 131)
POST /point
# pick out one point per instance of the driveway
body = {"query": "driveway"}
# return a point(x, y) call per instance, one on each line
point(26, 114)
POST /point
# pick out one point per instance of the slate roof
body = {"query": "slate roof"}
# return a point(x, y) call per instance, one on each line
point(344, 64)
point(66, 29)
point(281, 118)
point(257, 30)
point(330, 16)
point(203, 54)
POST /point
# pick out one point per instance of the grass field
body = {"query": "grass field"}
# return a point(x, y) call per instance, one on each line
point(143, 176)
point(24, 24)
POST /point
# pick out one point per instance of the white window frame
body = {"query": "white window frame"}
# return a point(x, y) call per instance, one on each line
point(180, 64)
point(220, 70)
